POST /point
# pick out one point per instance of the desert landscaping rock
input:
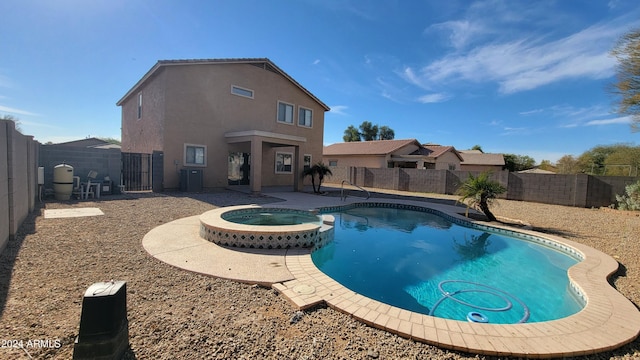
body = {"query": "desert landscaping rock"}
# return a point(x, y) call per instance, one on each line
point(175, 314)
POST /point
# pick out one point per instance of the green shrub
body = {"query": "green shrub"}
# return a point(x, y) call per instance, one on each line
point(630, 201)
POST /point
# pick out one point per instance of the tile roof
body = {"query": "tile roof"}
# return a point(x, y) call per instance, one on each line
point(438, 150)
point(265, 63)
point(376, 147)
point(482, 159)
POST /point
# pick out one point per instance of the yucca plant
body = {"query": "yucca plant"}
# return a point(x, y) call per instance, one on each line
point(480, 191)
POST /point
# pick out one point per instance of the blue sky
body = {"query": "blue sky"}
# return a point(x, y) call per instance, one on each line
point(522, 77)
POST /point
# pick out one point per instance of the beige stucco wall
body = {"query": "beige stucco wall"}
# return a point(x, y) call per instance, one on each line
point(370, 161)
point(144, 135)
point(444, 160)
point(199, 109)
point(492, 168)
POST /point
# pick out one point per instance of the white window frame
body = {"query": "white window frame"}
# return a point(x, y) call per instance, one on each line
point(304, 163)
point(241, 91)
point(284, 163)
point(204, 155)
point(293, 115)
point(139, 106)
point(304, 109)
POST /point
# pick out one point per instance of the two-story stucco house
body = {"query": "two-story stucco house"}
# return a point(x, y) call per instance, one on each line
point(240, 121)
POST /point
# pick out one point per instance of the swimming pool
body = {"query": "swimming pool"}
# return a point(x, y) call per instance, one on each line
point(426, 263)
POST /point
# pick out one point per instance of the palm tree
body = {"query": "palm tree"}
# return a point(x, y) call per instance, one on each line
point(480, 191)
point(320, 170)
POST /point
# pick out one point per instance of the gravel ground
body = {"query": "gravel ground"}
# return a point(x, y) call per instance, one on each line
point(174, 314)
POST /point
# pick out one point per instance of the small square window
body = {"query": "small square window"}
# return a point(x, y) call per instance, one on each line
point(305, 117)
point(333, 162)
point(285, 113)
point(284, 163)
point(240, 91)
point(194, 155)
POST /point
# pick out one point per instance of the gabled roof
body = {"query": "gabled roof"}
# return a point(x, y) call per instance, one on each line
point(435, 151)
point(260, 62)
point(376, 147)
point(88, 142)
point(473, 158)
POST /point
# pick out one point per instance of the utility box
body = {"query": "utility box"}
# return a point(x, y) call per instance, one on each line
point(191, 180)
point(104, 327)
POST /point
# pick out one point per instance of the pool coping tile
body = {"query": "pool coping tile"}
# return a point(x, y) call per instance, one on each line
point(607, 321)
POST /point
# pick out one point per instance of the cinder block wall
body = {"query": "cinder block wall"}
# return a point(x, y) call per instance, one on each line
point(107, 162)
point(579, 190)
point(18, 179)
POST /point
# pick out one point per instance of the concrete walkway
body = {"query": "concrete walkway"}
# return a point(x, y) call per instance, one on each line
point(609, 320)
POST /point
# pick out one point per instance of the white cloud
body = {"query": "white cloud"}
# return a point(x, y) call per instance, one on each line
point(16, 111)
point(461, 31)
point(531, 112)
point(526, 63)
point(338, 109)
point(433, 98)
point(615, 121)
point(316, 62)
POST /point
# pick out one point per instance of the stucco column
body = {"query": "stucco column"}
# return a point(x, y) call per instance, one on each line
point(298, 165)
point(256, 165)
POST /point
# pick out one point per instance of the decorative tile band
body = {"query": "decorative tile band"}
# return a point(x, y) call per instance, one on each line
point(214, 228)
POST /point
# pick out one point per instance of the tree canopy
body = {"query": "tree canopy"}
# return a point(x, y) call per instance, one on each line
point(368, 132)
point(627, 85)
point(477, 147)
point(12, 118)
point(612, 160)
point(513, 162)
point(351, 134)
point(386, 133)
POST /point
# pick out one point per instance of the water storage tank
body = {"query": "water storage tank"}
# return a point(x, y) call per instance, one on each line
point(63, 181)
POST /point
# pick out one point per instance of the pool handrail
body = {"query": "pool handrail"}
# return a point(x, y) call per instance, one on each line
point(343, 195)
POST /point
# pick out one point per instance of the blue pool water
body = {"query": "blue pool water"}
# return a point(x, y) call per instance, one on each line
point(271, 217)
point(414, 260)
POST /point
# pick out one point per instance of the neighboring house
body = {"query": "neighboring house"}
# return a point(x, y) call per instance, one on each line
point(408, 153)
point(90, 143)
point(86, 155)
point(240, 121)
point(442, 157)
point(476, 160)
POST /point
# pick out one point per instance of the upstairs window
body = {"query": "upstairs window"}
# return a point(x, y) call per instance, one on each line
point(305, 117)
point(139, 105)
point(240, 91)
point(285, 113)
point(194, 155)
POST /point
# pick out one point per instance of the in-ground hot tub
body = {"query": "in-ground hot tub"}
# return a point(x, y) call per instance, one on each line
point(252, 226)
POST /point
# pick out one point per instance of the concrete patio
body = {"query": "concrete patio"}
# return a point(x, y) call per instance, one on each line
point(608, 321)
